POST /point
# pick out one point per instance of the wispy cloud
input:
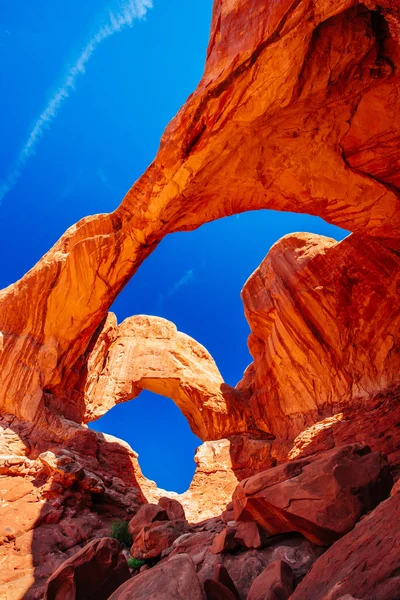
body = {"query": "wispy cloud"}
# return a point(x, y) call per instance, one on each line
point(184, 280)
point(127, 13)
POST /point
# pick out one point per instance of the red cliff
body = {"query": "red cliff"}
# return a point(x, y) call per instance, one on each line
point(298, 110)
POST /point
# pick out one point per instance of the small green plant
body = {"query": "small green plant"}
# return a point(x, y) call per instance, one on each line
point(135, 563)
point(120, 532)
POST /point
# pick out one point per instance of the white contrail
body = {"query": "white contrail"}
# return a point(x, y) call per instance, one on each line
point(184, 280)
point(129, 11)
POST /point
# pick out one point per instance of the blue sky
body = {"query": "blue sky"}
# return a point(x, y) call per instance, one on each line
point(73, 140)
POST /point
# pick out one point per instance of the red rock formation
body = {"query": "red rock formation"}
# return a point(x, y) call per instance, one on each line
point(146, 516)
point(324, 329)
point(225, 541)
point(288, 78)
point(276, 582)
point(219, 467)
point(175, 579)
point(149, 353)
point(157, 537)
point(173, 508)
point(93, 573)
point(376, 424)
point(298, 110)
point(250, 535)
point(215, 590)
point(363, 564)
point(221, 575)
point(245, 565)
point(321, 497)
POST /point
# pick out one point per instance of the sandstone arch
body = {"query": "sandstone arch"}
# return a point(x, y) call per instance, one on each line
point(281, 119)
point(222, 154)
point(148, 353)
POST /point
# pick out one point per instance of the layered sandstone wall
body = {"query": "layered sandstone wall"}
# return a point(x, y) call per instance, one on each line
point(298, 110)
point(325, 323)
point(264, 129)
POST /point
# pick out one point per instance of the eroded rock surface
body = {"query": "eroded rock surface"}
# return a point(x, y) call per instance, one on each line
point(276, 582)
point(175, 579)
point(363, 564)
point(298, 110)
point(321, 497)
point(324, 329)
point(263, 130)
point(93, 573)
point(149, 353)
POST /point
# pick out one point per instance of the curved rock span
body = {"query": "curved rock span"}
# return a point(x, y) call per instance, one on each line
point(298, 110)
point(284, 96)
point(149, 353)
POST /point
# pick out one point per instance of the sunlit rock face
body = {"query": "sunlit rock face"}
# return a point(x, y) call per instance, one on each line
point(149, 353)
point(324, 326)
point(289, 91)
point(298, 110)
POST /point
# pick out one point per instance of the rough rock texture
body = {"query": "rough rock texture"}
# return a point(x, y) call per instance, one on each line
point(54, 502)
point(146, 516)
point(225, 541)
point(94, 573)
point(250, 535)
point(325, 328)
point(376, 423)
point(220, 465)
point(159, 536)
point(221, 575)
point(298, 110)
point(149, 353)
point(321, 497)
point(175, 579)
point(173, 508)
point(215, 590)
point(245, 565)
point(264, 128)
point(363, 564)
point(276, 582)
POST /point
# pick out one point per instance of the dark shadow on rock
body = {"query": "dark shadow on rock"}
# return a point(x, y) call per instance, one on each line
point(65, 486)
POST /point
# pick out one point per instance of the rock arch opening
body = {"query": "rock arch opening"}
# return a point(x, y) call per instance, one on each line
point(150, 354)
point(158, 431)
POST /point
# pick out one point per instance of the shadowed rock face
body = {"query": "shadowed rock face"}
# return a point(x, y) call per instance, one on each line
point(363, 564)
point(174, 580)
point(298, 110)
point(95, 572)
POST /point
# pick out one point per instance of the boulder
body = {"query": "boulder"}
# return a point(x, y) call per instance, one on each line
point(276, 582)
point(157, 538)
point(250, 535)
point(242, 565)
point(364, 563)
point(93, 573)
point(321, 497)
point(225, 541)
point(217, 591)
point(145, 516)
point(174, 579)
point(221, 575)
point(245, 566)
point(227, 514)
point(173, 508)
point(197, 545)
